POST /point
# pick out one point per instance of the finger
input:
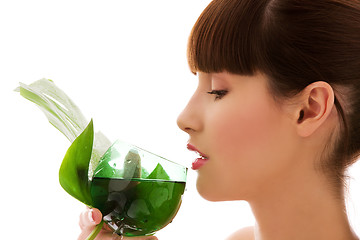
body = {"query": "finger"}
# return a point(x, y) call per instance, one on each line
point(90, 218)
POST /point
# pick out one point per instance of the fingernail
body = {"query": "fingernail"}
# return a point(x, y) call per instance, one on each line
point(90, 216)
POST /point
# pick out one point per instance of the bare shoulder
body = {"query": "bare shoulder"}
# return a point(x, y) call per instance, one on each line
point(246, 233)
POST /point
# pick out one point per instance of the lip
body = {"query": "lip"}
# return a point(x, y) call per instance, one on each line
point(198, 162)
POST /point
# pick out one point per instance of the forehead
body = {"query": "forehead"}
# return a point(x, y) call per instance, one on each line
point(235, 79)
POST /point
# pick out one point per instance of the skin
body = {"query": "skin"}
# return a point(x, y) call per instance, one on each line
point(266, 153)
point(91, 217)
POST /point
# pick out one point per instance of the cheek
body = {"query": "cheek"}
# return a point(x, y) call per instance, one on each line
point(244, 130)
point(249, 144)
point(245, 147)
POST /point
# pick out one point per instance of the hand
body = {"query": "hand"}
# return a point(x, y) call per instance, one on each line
point(91, 217)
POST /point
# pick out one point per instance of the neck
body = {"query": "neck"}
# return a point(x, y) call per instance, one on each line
point(300, 209)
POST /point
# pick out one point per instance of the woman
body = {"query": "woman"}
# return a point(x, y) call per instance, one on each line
point(275, 116)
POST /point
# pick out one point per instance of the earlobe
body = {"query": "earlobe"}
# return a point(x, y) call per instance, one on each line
point(317, 102)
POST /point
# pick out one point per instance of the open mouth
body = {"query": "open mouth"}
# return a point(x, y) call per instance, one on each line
point(198, 162)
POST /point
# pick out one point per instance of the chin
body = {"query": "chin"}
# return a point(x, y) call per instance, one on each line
point(211, 193)
point(211, 197)
point(216, 191)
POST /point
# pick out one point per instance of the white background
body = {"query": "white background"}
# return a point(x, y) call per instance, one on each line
point(124, 64)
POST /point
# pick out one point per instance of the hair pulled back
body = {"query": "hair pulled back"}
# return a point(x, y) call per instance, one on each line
point(295, 43)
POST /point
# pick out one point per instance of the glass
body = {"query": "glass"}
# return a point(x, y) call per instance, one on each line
point(137, 191)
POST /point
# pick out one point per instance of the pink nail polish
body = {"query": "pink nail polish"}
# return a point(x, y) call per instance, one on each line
point(90, 216)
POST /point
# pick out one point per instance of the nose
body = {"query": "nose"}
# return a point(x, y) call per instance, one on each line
point(190, 119)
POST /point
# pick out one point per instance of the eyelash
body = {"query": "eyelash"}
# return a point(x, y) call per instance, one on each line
point(219, 93)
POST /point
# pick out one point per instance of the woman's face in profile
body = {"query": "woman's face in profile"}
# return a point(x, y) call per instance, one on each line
point(247, 138)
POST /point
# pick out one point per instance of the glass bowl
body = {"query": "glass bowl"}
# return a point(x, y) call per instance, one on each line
point(137, 192)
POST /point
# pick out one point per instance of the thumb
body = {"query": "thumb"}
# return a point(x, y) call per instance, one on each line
point(90, 218)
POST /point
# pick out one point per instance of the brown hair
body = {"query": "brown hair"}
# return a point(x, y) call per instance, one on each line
point(294, 43)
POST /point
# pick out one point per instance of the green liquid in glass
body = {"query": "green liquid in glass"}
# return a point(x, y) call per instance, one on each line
point(136, 207)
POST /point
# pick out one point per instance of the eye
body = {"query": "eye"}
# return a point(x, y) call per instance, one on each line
point(218, 93)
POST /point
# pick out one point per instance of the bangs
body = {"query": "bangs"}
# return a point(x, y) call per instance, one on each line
point(226, 38)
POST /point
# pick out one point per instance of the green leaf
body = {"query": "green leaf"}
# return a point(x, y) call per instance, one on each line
point(159, 173)
point(56, 105)
point(73, 174)
point(63, 114)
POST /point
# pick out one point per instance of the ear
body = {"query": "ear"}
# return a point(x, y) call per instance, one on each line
point(316, 104)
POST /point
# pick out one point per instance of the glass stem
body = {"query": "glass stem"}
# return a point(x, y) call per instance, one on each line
point(96, 231)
